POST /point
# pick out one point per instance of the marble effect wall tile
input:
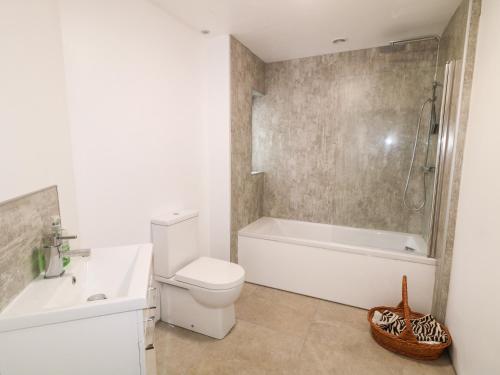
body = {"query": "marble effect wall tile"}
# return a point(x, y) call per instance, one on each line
point(24, 222)
point(247, 76)
point(334, 134)
point(452, 46)
point(320, 132)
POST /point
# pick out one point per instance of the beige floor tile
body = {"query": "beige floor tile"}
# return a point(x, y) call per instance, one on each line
point(259, 348)
point(247, 291)
point(233, 366)
point(343, 349)
point(280, 333)
point(337, 348)
point(264, 312)
point(297, 302)
point(442, 366)
point(177, 349)
point(328, 312)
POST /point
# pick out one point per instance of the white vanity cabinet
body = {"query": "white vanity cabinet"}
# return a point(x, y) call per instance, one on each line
point(45, 332)
point(146, 333)
point(105, 345)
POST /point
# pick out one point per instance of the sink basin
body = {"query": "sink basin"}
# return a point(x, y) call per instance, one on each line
point(120, 273)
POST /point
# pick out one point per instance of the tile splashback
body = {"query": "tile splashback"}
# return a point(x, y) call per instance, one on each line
point(334, 135)
point(24, 222)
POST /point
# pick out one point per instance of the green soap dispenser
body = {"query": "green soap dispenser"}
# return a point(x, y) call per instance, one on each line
point(64, 248)
point(41, 259)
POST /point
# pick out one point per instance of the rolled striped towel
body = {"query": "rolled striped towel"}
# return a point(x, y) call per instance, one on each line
point(426, 329)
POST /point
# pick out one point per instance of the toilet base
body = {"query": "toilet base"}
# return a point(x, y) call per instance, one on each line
point(180, 309)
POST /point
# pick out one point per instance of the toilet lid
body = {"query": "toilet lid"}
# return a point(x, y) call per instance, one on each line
point(211, 273)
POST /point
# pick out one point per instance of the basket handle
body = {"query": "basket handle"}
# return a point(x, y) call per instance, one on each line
point(407, 333)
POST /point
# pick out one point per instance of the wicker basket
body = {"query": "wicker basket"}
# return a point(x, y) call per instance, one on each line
point(406, 343)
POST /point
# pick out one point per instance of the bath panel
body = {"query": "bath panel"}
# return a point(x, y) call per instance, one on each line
point(357, 267)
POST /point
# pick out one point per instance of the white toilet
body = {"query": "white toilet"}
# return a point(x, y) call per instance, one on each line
point(197, 293)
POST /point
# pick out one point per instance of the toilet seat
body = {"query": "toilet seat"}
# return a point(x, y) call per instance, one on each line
point(212, 274)
point(210, 282)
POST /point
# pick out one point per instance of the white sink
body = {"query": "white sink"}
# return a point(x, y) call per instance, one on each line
point(120, 273)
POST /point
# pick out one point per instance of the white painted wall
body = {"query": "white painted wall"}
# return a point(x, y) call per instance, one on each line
point(217, 124)
point(34, 131)
point(474, 298)
point(134, 93)
point(149, 114)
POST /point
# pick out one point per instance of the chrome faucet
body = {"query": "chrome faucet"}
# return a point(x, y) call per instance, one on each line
point(54, 258)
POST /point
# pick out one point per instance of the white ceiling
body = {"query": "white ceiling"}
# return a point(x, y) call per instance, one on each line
point(284, 29)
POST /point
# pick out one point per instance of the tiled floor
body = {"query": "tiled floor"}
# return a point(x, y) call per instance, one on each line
point(285, 333)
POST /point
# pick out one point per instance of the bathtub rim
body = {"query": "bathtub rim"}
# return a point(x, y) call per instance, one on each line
point(337, 246)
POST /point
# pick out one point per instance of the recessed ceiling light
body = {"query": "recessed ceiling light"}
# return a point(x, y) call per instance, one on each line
point(339, 40)
point(205, 32)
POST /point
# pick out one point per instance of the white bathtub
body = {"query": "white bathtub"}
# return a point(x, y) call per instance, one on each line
point(358, 267)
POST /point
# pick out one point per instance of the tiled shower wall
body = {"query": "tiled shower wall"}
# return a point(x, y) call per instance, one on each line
point(247, 76)
point(24, 222)
point(458, 43)
point(334, 133)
